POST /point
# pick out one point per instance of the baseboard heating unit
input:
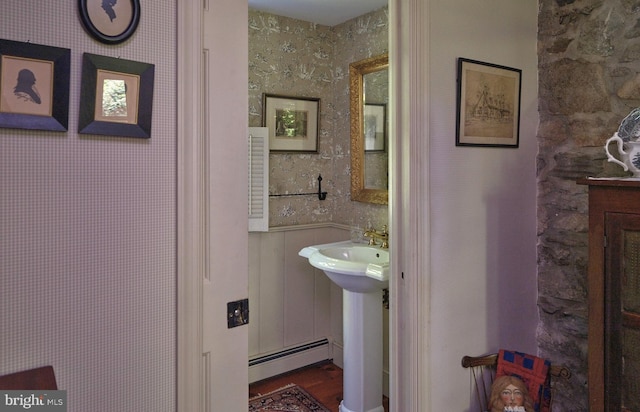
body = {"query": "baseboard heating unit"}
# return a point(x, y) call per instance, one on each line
point(276, 363)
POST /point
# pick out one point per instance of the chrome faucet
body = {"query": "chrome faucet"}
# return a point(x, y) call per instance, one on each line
point(372, 234)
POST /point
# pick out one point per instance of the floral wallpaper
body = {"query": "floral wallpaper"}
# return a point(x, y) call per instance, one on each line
point(301, 59)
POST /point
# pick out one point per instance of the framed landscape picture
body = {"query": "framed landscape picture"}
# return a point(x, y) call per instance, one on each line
point(116, 97)
point(488, 104)
point(293, 122)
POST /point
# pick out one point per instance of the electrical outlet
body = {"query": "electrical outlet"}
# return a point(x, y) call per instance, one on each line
point(237, 313)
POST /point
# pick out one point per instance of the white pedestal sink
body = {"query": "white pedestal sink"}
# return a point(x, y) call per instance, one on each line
point(362, 271)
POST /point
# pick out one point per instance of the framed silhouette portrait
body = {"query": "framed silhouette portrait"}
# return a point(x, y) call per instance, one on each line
point(116, 97)
point(110, 21)
point(34, 86)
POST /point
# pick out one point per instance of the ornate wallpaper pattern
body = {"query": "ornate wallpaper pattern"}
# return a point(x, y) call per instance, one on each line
point(301, 59)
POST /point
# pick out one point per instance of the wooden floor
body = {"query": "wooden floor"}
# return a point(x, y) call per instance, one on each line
point(323, 381)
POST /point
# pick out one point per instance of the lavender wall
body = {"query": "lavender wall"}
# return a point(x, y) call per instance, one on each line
point(88, 229)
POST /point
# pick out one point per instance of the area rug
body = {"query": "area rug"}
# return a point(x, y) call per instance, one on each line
point(291, 398)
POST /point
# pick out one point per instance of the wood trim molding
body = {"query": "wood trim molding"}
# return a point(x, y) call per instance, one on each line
point(409, 205)
point(190, 382)
point(409, 211)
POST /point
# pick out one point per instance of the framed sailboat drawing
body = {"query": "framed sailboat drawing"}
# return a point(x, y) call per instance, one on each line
point(488, 104)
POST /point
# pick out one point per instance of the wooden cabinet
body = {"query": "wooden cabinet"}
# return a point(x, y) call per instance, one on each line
point(614, 295)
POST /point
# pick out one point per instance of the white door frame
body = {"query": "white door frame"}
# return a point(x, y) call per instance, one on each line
point(409, 207)
point(190, 375)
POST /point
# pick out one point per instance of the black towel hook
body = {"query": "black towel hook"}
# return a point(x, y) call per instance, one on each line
point(321, 195)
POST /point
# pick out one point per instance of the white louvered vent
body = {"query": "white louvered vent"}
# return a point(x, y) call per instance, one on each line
point(258, 179)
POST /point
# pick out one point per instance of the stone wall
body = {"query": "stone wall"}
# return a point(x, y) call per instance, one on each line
point(588, 81)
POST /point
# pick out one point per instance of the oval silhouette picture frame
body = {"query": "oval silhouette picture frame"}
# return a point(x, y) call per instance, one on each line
point(110, 21)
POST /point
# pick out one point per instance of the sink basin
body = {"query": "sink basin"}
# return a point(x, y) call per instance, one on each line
point(356, 267)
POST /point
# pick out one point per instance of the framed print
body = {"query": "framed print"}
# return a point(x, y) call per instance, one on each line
point(292, 121)
point(375, 124)
point(34, 86)
point(488, 104)
point(110, 21)
point(116, 97)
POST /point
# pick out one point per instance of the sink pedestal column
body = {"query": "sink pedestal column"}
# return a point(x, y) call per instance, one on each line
point(362, 330)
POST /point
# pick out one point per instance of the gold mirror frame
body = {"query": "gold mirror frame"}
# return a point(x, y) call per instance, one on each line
point(356, 101)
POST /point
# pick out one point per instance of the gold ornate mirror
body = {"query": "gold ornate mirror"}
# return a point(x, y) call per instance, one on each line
point(369, 96)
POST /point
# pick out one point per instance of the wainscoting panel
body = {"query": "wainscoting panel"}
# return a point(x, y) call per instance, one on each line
point(255, 315)
point(291, 303)
point(300, 292)
point(271, 293)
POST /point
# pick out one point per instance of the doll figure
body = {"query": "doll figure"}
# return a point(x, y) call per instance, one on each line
point(509, 393)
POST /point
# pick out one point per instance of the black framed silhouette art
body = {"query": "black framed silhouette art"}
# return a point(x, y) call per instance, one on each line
point(34, 86)
point(110, 21)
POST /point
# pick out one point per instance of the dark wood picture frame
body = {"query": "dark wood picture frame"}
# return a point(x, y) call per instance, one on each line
point(107, 23)
point(488, 104)
point(34, 86)
point(134, 79)
point(302, 115)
